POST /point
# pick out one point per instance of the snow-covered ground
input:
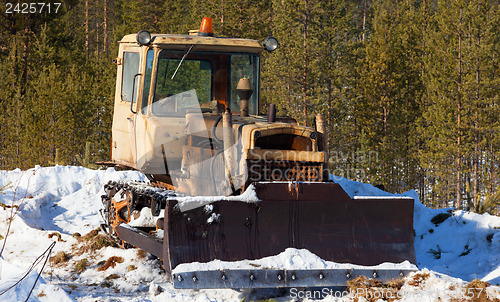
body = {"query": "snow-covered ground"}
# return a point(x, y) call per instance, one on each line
point(61, 204)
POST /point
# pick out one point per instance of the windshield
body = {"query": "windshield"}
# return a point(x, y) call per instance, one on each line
point(197, 80)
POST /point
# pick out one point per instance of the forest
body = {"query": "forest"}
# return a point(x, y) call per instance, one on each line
point(410, 88)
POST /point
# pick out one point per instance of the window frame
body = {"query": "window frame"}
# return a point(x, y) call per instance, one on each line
point(137, 82)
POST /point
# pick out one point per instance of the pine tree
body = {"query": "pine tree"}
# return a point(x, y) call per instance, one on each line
point(459, 79)
point(338, 53)
point(292, 71)
point(391, 91)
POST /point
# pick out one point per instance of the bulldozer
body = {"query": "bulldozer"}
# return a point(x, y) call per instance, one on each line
point(228, 183)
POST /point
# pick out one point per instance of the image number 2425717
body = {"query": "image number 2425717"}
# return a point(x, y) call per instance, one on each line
point(32, 8)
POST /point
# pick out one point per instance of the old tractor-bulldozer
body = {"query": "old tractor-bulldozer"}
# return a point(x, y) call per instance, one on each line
point(230, 184)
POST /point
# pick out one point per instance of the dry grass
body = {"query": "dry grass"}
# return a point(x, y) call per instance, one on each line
point(395, 284)
point(142, 254)
point(81, 265)
point(111, 262)
point(60, 257)
point(56, 234)
point(418, 279)
point(112, 277)
point(476, 289)
point(100, 241)
point(93, 241)
point(373, 290)
point(90, 235)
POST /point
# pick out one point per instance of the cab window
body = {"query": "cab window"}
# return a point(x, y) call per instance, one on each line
point(181, 85)
point(130, 69)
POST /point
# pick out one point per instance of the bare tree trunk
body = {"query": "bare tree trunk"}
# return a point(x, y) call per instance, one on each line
point(476, 141)
point(459, 118)
point(304, 75)
point(105, 28)
point(87, 27)
point(364, 19)
point(97, 40)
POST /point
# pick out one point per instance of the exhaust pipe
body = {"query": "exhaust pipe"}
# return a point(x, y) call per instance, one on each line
point(227, 122)
point(325, 144)
point(244, 90)
point(271, 113)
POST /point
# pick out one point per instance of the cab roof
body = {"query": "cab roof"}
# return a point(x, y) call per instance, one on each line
point(201, 42)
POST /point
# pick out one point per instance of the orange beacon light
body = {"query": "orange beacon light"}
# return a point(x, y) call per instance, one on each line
point(206, 27)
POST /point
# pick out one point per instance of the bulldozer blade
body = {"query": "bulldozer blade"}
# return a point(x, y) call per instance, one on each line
point(270, 278)
point(319, 217)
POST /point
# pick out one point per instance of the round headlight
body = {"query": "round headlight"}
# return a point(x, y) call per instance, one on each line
point(143, 37)
point(270, 43)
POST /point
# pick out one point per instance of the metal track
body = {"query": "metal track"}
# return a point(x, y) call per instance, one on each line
point(140, 194)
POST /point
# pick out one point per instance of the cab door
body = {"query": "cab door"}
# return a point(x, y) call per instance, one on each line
point(125, 109)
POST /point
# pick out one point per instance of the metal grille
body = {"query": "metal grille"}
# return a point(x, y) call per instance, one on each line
point(266, 170)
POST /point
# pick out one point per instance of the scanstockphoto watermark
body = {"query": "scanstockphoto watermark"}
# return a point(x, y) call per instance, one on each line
point(346, 164)
point(285, 165)
point(374, 294)
point(355, 157)
point(279, 165)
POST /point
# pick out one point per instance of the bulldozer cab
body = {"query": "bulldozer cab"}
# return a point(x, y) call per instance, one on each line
point(162, 81)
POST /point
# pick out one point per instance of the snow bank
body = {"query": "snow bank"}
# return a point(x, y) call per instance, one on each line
point(15, 288)
point(465, 246)
point(60, 198)
point(66, 200)
point(186, 203)
point(356, 189)
point(290, 259)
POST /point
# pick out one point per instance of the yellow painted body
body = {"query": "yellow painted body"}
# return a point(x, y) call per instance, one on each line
point(181, 147)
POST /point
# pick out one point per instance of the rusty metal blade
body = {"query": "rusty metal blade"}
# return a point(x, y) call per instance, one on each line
point(270, 278)
point(319, 217)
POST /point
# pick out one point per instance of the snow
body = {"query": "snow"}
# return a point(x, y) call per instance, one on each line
point(63, 200)
point(144, 218)
point(186, 203)
point(290, 259)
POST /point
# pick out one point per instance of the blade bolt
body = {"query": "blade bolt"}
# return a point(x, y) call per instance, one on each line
point(294, 277)
point(195, 279)
point(252, 277)
point(401, 274)
point(224, 277)
point(279, 277)
point(179, 278)
point(321, 276)
point(375, 275)
point(348, 275)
